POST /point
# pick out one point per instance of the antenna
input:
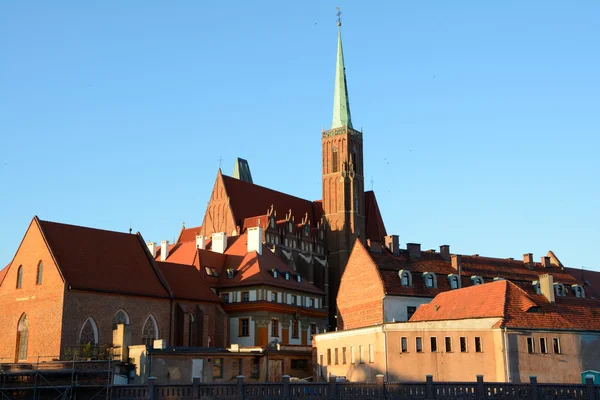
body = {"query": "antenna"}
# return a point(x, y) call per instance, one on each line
point(130, 230)
point(339, 16)
point(372, 182)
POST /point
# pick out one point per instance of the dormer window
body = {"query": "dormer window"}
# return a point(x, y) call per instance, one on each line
point(578, 290)
point(430, 280)
point(211, 271)
point(287, 276)
point(454, 281)
point(536, 287)
point(476, 280)
point(405, 278)
point(298, 278)
point(559, 289)
point(225, 298)
point(498, 278)
point(275, 273)
point(230, 273)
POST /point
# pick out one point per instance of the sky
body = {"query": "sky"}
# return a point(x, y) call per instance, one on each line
point(480, 120)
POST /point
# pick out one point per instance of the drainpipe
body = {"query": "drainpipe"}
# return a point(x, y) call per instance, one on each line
point(506, 358)
point(385, 351)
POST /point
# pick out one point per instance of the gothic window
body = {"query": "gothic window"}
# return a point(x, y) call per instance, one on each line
point(89, 332)
point(120, 317)
point(22, 338)
point(150, 331)
point(354, 157)
point(40, 272)
point(20, 277)
point(334, 160)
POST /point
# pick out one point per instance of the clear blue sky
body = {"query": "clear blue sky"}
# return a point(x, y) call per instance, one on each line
point(481, 119)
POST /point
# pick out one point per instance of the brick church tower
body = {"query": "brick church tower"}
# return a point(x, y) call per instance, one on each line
point(343, 182)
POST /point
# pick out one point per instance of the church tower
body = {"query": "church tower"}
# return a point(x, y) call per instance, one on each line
point(343, 181)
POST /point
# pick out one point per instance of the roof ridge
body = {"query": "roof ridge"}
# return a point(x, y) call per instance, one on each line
point(83, 227)
point(264, 187)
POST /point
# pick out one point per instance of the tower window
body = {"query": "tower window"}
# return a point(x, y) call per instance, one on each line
point(334, 160)
point(40, 273)
point(20, 277)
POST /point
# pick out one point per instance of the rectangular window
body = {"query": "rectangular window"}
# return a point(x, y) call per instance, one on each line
point(254, 368)
point(311, 302)
point(217, 368)
point(410, 310)
point(419, 345)
point(360, 355)
point(274, 297)
point(236, 366)
point(530, 345)
point(478, 345)
point(300, 364)
point(448, 344)
point(225, 298)
point(244, 327)
point(433, 341)
point(295, 334)
point(352, 358)
point(328, 356)
point(335, 356)
point(371, 354)
point(343, 355)
point(543, 347)
point(275, 327)
point(556, 345)
point(245, 296)
point(463, 344)
point(403, 345)
point(293, 302)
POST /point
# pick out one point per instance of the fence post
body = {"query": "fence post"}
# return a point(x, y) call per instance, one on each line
point(151, 390)
point(590, 388)
point(429, 387)
point(332, 388)
point(534, 387)
point(195, 387)
point(380, 386)
point(286, 387)
point(240, 387)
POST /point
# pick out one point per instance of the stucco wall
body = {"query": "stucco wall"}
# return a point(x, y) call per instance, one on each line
point(394, 307)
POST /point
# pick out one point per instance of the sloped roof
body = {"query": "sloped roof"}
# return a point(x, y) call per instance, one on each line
point(373, 220)
point(518, 309)
point(590, 279)
point(3, 273)
point(100, 260)
point(187, 282)
point(189, 234)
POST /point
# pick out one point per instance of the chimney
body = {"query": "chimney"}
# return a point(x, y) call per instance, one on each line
point(414, 250)
point(255, 239)
point(445, 252)
point(219, 242)
point(152, 248)
point(164, 250)
point(528, 260)
point(547, 286)
point(200, 242)
point(546, 262)
point(392, 242)
point(456, 261)
point(374, 246)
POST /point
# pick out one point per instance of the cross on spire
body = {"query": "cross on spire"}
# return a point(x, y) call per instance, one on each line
point(220, 162)
point(339, 16)
point(372, 182)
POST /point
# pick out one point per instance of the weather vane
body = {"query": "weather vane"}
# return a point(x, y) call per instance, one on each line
point(339, 16)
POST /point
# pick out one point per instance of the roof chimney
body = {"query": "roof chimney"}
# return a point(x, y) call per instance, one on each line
point(255, 239)
point(200, 242)
point(528, 260)
point(374, 246)
point(152, 248)
point(164, 250)
point(392, 242)
point(219, 242)
point(546, 262)
point(547, 287)
point(414, 250)
point(445, 252)
point(456, 261)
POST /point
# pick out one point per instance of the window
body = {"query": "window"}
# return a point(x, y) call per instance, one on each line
point(543, 347)
point(313, 329)
point(334, 160)
point(578, 290)
point(478, 345)
point(300, 364)
point(274, 296)
point(454, 284)
point(20, 277)
point(343, 355)
point(244, 327)
point(403, 345)
point(287, 276)
point(463, 344)
point(245, 296)
point(352, 358)
point(536, 287)
point(448, 344)
point(360, 355)
point(410, 310)
point(236, 366)
point(217, 368)
point(371, 354)
point(335, 356)
point(254, 368)
point(559, 288)
point(311, 302)
point(419, 345)
point(120, 317)
point(225, 298)
point(88, 333)
point(405, 278)
point(295, 329)
point(293, 301)
point(150, 331)
point(556, 345)
point(298, 278)
point(530, 345)
point(275, 273)
point(22, 338)
point(275, 327)
point(433, 342)
point(476, 280)
point(328, 356)
point(430, 279)
point(229, 273)
point(40, 273)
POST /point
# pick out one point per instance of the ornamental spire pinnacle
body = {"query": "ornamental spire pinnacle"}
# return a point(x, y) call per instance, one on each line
point(341, 104)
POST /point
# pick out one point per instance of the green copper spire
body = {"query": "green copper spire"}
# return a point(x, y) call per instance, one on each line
point(341, 104)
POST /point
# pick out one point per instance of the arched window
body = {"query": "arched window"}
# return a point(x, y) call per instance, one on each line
point(150, 331)
point(578, 290)
point(536, 287)
point(40, 273)
point(22, 338)
point(405, 278)
point(454, 282)
point(559, 288)
point(120, 317)
point(20, 277)
point(89, 332)
point(476, 280)
point(430, 280)
point(334, 160)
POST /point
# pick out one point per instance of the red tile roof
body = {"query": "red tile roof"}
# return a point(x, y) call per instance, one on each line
point(588, 278)
point(95, 259)
point(516, 307)
point(189, 234)
point(187, 283)
point(373, 220)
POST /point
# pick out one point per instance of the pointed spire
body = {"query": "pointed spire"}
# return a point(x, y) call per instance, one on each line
point(341, 104)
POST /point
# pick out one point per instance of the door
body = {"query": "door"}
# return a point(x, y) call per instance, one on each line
point(198, 369)
point(275, 370)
